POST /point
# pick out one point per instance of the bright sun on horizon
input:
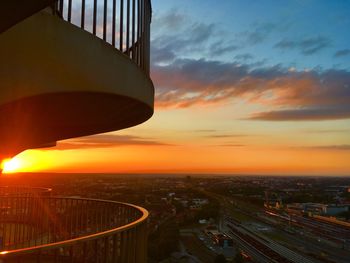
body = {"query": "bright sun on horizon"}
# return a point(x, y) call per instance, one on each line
point(11, 165)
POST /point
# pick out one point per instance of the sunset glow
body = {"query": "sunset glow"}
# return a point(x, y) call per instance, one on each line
point(245, 88)
point(11, 165)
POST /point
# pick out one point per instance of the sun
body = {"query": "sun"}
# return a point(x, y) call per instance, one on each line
point(10, 165)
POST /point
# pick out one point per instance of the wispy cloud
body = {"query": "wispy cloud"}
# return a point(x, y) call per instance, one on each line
point(107, 141)
point(342, 53)
point(231, 145)
point(176, 35)
point(226, 135)
point(307, 46)
point(171, 20)
point(303, 114)
point(171, 45)
point(162, 55)
point(219, 48)
point(244, 57)
point(259, 33)
point(205, 131)
point(328, 131)
point(343, 147)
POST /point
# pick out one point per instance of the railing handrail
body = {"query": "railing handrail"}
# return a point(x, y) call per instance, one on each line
point(133, 37)
point(88, 237)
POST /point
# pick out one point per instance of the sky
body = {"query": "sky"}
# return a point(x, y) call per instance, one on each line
point(241, 87)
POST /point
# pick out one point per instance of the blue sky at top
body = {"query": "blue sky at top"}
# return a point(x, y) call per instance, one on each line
point(302, 34)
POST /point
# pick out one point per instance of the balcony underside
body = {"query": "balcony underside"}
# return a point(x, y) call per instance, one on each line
point(59, 82)
point(33, 121)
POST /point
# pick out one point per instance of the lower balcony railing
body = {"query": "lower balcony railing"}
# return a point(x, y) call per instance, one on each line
point(49, 229)
point(24, 191)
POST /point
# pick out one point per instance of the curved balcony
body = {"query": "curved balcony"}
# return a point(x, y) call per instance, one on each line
point(49, 229)
point(78, 68)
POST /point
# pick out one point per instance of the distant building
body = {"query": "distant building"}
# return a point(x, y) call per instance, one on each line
point(222, 240)
point(197, 203)
point(318, 209)
point(200, 201)
point(335, 209)
point(203, 221)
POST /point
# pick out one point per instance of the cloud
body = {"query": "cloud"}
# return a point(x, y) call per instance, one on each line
point(243, 57)
point(342, 53)
point(296, 95)
point(231, 145)
point(307, 46)
point(205, 131)
point(342, 147)
point(226, 135)
point(175, 35)
point(218, 48)
point(303, 114)
point(201, 32)
point(197, 34)
point(167, 46)
point(260, 32)
point(328, 131)
point(162, 55)
point(106, 141)
point(171, 20)
point(172, 39)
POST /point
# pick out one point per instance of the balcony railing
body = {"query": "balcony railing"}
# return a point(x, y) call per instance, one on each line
point(125, 24)
point(48, 229)
point(24, 191)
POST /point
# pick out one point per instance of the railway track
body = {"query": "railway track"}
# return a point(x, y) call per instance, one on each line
point(262, 248)
point(272, 250)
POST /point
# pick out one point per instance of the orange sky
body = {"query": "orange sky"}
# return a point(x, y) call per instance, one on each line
point(236, 92)
point(203, 139)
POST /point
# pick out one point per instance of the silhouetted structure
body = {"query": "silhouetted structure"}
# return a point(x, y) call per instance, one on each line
point(73, 69)
point(69, 69)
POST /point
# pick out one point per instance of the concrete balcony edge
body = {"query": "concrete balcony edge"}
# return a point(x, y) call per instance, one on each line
point(59, 81)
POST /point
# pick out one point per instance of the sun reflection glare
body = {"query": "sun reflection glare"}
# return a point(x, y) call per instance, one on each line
point(10, 165)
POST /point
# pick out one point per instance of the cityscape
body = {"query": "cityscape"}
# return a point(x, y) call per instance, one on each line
point(200, 218)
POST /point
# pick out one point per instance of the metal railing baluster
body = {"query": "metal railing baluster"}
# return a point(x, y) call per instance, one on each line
point(69, 15)
point(133, 31)
point(121, 25)
point(82, 21)
point(94, 18)
point(114, 9)
point(105, 20)
point(128, 27)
